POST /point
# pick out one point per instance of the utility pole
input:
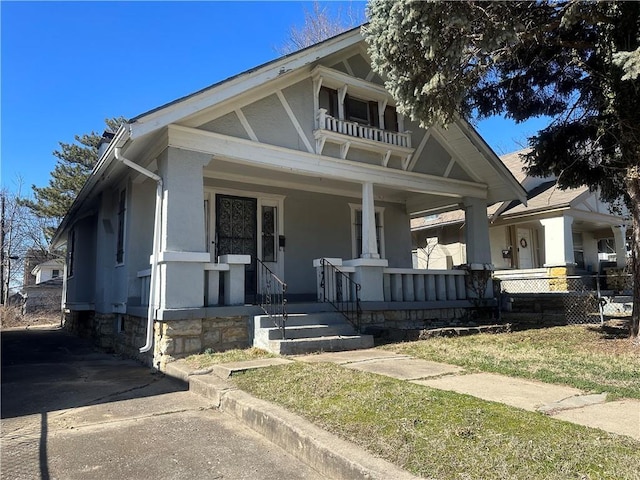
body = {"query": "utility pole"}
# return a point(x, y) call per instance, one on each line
point(2, 249)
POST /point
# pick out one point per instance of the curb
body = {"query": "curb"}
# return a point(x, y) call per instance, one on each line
point(323, 451)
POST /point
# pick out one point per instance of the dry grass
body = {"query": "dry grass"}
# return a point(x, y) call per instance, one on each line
point(211, 357)
point(12, 317)
point(439, 434)
point(585, 357)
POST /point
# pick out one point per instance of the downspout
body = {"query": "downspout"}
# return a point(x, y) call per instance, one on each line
point(157, 223)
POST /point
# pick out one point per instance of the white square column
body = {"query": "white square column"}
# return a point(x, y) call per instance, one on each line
point(369, 240)
point(558, 241)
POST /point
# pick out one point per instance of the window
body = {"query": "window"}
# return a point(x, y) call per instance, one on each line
point(121, 213)
point(328, 99)
point(356, 230)
point(269, 249)
point(71, 253)
point(361, 111)
point(55, 273)
point(391, 119)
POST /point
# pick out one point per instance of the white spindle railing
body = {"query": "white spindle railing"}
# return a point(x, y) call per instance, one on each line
point(353, 129)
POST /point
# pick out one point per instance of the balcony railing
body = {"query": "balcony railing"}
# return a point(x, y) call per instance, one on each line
point(365, 132)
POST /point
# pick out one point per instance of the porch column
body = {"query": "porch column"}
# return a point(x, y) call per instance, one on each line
point(477, 231)
point(478, 248)
point(558, 244)
point(183, 251)
point(620, 235)
point(369, 240)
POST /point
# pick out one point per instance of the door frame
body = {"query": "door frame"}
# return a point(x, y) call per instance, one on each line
point(263, 199)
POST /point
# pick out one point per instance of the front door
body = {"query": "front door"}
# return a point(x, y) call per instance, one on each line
point(236, 233)
point(525, 255)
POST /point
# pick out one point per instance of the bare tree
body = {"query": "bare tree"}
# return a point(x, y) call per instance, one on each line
point(21, 234)
point(320, 23)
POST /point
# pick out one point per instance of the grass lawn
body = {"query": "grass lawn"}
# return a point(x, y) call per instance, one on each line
point(584, 357)
point(439, 434)
point(445, 435)
point(209, 357)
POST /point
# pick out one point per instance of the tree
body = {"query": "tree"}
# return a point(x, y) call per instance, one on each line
point(74, 165)
point(576, 62)
point(320, 24)
point(22, 234)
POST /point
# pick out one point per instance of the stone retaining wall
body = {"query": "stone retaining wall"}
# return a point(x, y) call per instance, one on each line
point(180, 338)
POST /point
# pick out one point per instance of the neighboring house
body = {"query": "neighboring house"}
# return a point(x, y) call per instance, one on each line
point(297, 160)
point(45, 294)
point(48, 270)
point(557, 232)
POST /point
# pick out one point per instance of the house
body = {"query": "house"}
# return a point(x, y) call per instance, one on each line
point(48, 270)
point(45, 294)
point(297, 172)
point(557, 233)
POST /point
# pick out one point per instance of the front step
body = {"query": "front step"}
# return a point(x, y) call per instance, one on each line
point(309, 333)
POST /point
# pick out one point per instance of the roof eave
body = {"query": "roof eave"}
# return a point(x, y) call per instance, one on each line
point(107, 158)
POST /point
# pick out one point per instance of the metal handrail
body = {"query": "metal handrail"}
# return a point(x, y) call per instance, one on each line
point(341, 292)
point(272, 297)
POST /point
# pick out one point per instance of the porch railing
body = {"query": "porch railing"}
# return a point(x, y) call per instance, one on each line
point(414, 285)
point(353, 129)
point(271, 296)
point(341, 292)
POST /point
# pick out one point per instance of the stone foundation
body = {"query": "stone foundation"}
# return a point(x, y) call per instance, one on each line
point(180, 338)
point(406, 325)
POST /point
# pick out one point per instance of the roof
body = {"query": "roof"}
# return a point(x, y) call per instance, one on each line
point(541, 196)
point(160, 117)
point(132, 137)
point(54, 264)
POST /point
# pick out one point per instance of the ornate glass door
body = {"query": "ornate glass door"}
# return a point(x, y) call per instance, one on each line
point(236, 233)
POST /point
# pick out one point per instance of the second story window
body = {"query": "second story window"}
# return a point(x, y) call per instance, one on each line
point(121, 211)
point(328, 99)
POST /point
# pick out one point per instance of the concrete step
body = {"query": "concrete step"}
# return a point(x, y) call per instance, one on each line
point(334, 343)
point(311, 331)
point(308, 333)
point(298, 319)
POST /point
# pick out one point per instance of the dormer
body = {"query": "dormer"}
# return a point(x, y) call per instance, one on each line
point(355, 113)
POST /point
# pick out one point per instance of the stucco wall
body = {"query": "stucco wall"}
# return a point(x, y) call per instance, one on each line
point(81, 285)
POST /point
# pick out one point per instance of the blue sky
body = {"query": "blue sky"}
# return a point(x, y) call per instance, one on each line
point(66, 66)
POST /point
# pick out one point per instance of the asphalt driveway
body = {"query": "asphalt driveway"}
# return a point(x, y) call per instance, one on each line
point(71, 412)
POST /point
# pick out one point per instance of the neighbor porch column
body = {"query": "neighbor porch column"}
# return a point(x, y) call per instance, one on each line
point(183, 251)
point(558, 245)
point(369, 240)
point(477, 231)
point(620, 236)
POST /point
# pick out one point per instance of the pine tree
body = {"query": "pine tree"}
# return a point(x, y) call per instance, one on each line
point(74, 165)
point(574, 61)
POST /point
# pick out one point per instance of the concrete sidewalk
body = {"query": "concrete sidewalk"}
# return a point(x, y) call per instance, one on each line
point(621, 417)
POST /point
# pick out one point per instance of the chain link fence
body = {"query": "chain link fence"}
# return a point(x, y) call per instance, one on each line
point(581, 298)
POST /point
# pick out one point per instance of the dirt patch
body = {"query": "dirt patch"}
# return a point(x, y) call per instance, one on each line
point(614, 338)
point(12, 317)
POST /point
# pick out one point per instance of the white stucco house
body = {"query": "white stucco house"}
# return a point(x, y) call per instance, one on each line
point(45, 294)
point(48, 270)
point(558, 232)
point(302, 159)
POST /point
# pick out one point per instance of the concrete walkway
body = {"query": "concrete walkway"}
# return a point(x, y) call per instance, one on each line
point(564, 403)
